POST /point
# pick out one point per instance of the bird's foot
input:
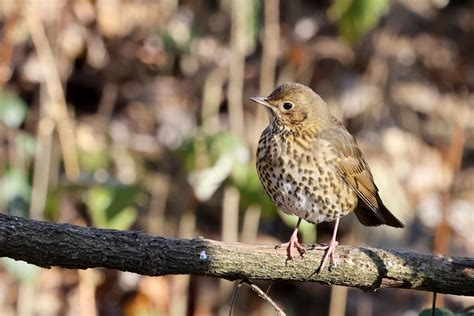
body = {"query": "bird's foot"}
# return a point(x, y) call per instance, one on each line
point(292, 243)
point(330, 253)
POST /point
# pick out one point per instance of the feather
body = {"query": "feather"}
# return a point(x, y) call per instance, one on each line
point(354, 170)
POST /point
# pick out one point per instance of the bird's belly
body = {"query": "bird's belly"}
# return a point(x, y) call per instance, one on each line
point(312, 191)
point(315, 203)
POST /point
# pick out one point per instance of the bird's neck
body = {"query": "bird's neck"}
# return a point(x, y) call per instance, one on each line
point(296, 130)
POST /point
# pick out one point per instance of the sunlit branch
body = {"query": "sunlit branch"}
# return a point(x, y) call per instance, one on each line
point(74, 247)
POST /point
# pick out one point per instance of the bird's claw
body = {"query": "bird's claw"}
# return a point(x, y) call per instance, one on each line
point(292, 243)
point(330, 253)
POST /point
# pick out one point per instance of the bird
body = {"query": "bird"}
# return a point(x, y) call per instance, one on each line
point(311, 166)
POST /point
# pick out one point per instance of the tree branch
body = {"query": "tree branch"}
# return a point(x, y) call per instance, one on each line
point(74, 247)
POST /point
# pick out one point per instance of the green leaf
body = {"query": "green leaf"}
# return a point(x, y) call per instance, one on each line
point(207, 149)
point(225, 143)
point(122, 197)
point(15, 185)
point(110, 206)
point(53, 200)
point(98, 201)
point(93, 160)
point(245, 179)
point(206, 181)
point(26, 145)
point(12, 109)
point(123, 219)
point(210, 159)
point(356, 17)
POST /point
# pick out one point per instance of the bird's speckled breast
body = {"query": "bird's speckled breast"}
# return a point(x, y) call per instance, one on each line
point(300, 177)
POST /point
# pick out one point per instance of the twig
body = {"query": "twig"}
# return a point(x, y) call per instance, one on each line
point(74, 247)
point(211, 100)
point(234, 297)
point(52, 82)
point(433, 305)
point(260, 293)
point(230, 233)
point(108, 102)
point(251, 220)
point(43, 152)
point(270, 45)
point(338, 301)
point(239, 10)
point(230, 214)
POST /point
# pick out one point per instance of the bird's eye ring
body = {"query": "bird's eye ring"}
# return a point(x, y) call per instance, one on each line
point(287, 106)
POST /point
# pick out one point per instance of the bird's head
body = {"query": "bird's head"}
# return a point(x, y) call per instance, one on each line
point(293, 104)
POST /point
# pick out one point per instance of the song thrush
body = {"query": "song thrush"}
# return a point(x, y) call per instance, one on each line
point(312, 167)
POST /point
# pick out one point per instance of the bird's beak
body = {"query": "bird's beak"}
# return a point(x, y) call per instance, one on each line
point(261, 100)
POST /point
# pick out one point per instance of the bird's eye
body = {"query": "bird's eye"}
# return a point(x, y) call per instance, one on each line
point(287, 106)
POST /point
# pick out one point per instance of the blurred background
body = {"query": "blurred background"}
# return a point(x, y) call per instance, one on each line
point(135, 115)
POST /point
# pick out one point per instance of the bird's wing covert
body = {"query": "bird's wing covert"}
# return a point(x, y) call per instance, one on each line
point(352, 167)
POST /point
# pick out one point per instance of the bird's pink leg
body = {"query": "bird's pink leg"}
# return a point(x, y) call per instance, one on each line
point(293, 242)
point(330, 250)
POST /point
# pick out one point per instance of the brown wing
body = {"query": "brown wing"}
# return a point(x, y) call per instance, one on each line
point(352, 167)
point(354, 170)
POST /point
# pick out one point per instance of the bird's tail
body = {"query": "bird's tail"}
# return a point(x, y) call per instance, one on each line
point(368, 217)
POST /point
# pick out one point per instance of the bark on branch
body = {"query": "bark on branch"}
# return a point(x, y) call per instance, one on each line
point(74, 247)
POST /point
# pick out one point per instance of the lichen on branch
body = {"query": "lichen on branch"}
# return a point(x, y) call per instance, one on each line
point(69, 246)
